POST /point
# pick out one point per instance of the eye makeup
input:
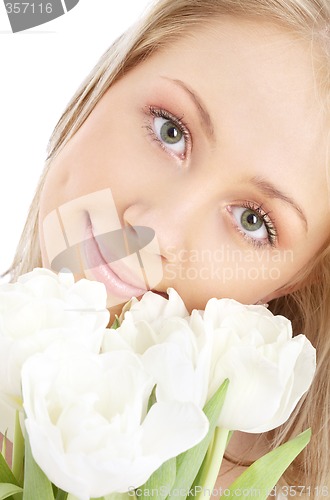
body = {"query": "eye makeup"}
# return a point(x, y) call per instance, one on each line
point(175, 123)
point(266, 223)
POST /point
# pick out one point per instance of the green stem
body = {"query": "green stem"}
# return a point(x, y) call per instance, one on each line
point(212, 464)
point(61, 495)
point(18, 451)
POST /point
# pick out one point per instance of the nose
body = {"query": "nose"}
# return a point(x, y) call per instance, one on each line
point(174, 218)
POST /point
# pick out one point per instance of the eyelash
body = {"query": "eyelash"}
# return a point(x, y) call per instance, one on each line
point(179, 122)
point(269, 224)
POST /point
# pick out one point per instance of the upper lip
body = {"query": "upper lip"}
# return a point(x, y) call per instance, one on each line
point(120, 269)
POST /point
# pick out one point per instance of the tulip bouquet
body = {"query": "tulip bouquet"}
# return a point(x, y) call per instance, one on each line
point(146, 407)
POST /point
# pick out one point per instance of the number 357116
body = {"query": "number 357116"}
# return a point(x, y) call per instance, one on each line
point(28, 8)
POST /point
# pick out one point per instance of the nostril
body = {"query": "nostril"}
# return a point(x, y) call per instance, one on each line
point(137, 237)
point(129, 229)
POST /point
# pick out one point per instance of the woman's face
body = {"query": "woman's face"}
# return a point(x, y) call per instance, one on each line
point(216, 144)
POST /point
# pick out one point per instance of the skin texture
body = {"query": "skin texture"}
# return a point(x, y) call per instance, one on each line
point(263, 122)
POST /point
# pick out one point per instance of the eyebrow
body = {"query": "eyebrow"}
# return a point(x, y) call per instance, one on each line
point(201, 108)
point(271, 191)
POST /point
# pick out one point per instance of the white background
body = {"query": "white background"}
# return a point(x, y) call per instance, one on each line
point(40, 69)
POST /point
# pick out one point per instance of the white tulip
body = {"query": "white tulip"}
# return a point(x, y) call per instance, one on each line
point(155, 308)
point(180, 361)
point(38, 309)
point(190, 357)
point(269, 370)
point(88, 424)
point(141, 324)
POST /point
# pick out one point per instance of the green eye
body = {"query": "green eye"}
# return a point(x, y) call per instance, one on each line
point(255, 224)
point(251, 221)
point(170, 133)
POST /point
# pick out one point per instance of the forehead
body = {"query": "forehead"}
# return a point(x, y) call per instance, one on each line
point(234, 57)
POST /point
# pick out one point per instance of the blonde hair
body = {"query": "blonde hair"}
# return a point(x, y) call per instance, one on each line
point(309, 306)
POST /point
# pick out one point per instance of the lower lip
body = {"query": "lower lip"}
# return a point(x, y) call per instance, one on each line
point(103, 273)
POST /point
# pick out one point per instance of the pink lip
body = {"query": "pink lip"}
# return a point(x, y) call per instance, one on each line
point(102, 271)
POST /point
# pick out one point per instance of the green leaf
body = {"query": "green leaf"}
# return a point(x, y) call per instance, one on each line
point(160, 482)
point(7, 490)
point(36, 485)
point(115, 324)
point(6, 475)
point(61, 495)
point(152, 398)
point(189, 462)
point(18, 451)
point(261, 477)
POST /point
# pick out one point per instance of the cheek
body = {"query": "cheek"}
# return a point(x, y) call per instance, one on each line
point(229, 273)
point(52, 196)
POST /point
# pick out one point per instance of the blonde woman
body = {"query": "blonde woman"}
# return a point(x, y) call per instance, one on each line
point(208, 122)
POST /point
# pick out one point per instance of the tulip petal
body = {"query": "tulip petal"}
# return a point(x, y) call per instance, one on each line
point(165, 429)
